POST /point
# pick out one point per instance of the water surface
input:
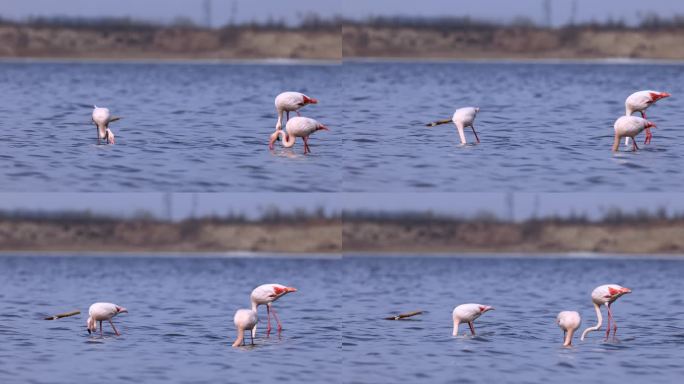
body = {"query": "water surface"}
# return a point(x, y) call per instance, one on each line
point(518, 342)
point(543, 127)
point(185, 127)
point(180, 322)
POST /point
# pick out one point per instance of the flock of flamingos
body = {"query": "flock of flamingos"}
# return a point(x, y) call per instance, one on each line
point(246, 319)
point(627, 126)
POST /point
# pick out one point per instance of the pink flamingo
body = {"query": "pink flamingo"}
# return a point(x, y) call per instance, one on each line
point(639, 102)
point(245, 320)
point(629, 126)
point(569, 322)
point(605, 295)
point(297, 127)
point(288, 102)
point(103, 311)
point(467, 313)
point(265, 295)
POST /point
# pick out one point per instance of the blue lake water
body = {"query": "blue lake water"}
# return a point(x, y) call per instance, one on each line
point(185, 127)
point(519, 341)
point(543, 127)
point(180, 322)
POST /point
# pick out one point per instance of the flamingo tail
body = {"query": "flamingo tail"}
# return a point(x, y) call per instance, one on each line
point(598, 324)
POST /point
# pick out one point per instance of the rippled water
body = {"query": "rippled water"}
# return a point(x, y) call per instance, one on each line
point(544, 127)
point(519, 341)
point(185, 127)
point(180, 324)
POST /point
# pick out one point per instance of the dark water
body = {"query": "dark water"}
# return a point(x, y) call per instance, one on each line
point(186, 127)
point(180, 324)
point(544, 127)
point(518, 342)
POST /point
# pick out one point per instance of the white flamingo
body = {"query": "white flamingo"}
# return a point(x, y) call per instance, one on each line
point(297, 127)
point(629, 126)
point(467, 313)
point(101, 312)
point(245, 320)
point(288, 102)
point(463, 117)
point(605, 295)
point(102, 118)
point(266, 294)
point(569, 322)
point(639, 102)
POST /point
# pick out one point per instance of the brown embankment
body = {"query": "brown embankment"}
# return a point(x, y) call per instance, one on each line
point(511, 43)
point(149, 236)
point(22, 41)
point(540, 237)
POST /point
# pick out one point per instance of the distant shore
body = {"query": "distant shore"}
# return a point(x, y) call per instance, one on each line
point(166, 43)
point(510, 43)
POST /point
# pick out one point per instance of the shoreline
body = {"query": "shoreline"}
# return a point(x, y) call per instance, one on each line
point(516, 255)
point(174, 255)
point(510, 60)
point(275, 61)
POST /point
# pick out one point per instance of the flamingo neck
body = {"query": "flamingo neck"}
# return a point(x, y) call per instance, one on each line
point(568, 338)
point(287, 139)
point(240, 337)
point(456, 324)
point(255, 306)
point(598, 324)
point(616, 143)
point(279, 124)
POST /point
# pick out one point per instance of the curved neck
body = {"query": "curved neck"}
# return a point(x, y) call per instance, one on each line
point(240, 337)
point(568, 338)
point(456, 323)
point(288, 140)
point(616, 143)
point(598, 324)
point(255, 306)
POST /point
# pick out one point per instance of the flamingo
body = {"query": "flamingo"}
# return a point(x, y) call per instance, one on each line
point(267, 294)
point(639, 102)
point(569, 322)
point(102, 118)
point(629, 126)
point(245, 319)
point(605, 295)
point(467, 313)
point(288, 102)
point(297, 127)
point(463, 117)
point(100, 312)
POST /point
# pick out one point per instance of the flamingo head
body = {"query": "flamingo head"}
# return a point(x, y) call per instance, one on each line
point(649, 124)
point(280, 291)
point(617, 292)
point(485, 308)
point(655, 96)
point(322, 127)
point(309, 100)
point(274, 137)
point(121, 310)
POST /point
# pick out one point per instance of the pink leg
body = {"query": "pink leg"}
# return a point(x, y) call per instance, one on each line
point(649, 135)
point(114, 328)
point(610, 317)
point(472, 327)
point(280, 327)
point(635, 147)
point(268, 312)
point(476, 137)
point(610, 313)
point(306, 145)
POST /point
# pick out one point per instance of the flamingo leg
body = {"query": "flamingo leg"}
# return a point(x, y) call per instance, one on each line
point(306, 146)
point(288, 116)
point(251, 337)
point(472, 327)
point(635, 147)
point(610, 317)
point(268, 315)
point(280, 327)
point(114, 328)
point(610, 313)
point(100, 328)
point(476, 137)
point(649, 135)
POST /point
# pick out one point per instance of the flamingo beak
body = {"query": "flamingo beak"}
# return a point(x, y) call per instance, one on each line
point(322, 127)
point(121, 310)
point(308, 100)
point(274, 137)
point(624, 290)
point(664, 95)
point(290, 289)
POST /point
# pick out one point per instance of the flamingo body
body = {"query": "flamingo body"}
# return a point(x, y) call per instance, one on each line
point(100, 312)
point(569, 322)
point(245, 320)
point(266, 294)
point(467, 313)
point(462, 118)
point(629, 126)
point(287, 102)
point(605, 295)
point(102, 117)
point(297, 127)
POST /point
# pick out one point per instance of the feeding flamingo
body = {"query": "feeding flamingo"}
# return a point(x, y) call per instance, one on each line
point(265, 295)
point(467, 313)
point(629, 126)
point(245, 320)
point(100, 312)
point(102, 118)
point(288, 102)
point(605, 295)
point(463, 117)
point(297, 127)
point(569, 322)
point(639, 102)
